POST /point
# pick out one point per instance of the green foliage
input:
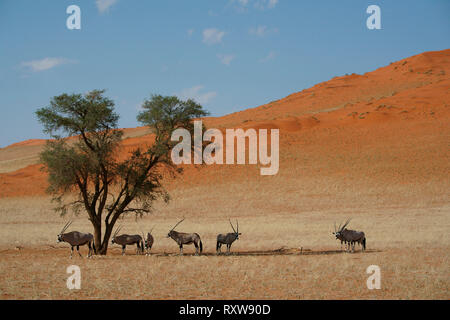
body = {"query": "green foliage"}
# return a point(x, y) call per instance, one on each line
point(165, 114)
point(75, 114)
point(88, 166)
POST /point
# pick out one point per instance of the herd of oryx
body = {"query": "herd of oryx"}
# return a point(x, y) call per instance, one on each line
point(76, 239)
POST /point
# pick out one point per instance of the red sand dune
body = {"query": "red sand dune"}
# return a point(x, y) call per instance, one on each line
point(390, 125)
point(31, 142)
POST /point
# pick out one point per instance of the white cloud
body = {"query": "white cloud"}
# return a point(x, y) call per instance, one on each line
point(269, 57)
point(265, 4)
point(45, 64)
point(226, 58)
point(261, 31)
point(258, 31)
point(242, 6)
point(212, 36)
point(190, 32)
point(195, 94)
point(272, 4)
point(104, 5)
point(239, 5)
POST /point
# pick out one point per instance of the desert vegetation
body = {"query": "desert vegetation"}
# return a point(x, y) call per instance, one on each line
point(387, 170)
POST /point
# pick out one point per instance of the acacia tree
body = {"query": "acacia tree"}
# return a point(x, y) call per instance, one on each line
point(88, 165)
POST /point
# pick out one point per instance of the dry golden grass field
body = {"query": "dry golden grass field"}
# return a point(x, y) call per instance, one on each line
point(372, 147)
point(410, 244)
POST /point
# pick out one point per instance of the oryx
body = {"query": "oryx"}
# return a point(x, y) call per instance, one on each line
point(351, 237)
point(126, 239)
point(148, 242)
point(339, 236)
point(186, 238)
point(228, 238)
point(77, 239)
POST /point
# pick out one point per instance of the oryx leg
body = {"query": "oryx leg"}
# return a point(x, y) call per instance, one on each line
point(78, 250)
point(196, 248)
point(181, 249)
point(218, 247)
point(71, 252)
point(123, 249)
point(90, 250)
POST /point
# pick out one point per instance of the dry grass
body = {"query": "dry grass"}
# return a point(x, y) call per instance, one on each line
point(409, 243)
point(334, 276)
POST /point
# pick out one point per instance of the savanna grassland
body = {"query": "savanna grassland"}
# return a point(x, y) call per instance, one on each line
point(281, 254)
point(286, 250)
point(372, 147)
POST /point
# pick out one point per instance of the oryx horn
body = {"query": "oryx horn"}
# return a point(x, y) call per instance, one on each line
point(117, 231)
point(66, 226)
point(346, 223)
point(177, 224)
point(232, 226)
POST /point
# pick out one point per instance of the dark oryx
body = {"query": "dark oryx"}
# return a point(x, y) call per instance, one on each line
point(148, 243)
point(355, 237)
point(228, 238)
point(339, 236)
point(77, 239)
point(126, 239)
point(186, 238)
point(351, 237)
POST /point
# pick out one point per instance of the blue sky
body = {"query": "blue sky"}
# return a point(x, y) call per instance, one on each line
point(227, 54)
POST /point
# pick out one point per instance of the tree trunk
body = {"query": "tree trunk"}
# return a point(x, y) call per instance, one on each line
point(104, 249)
point(108, 232)
point(98, 237)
